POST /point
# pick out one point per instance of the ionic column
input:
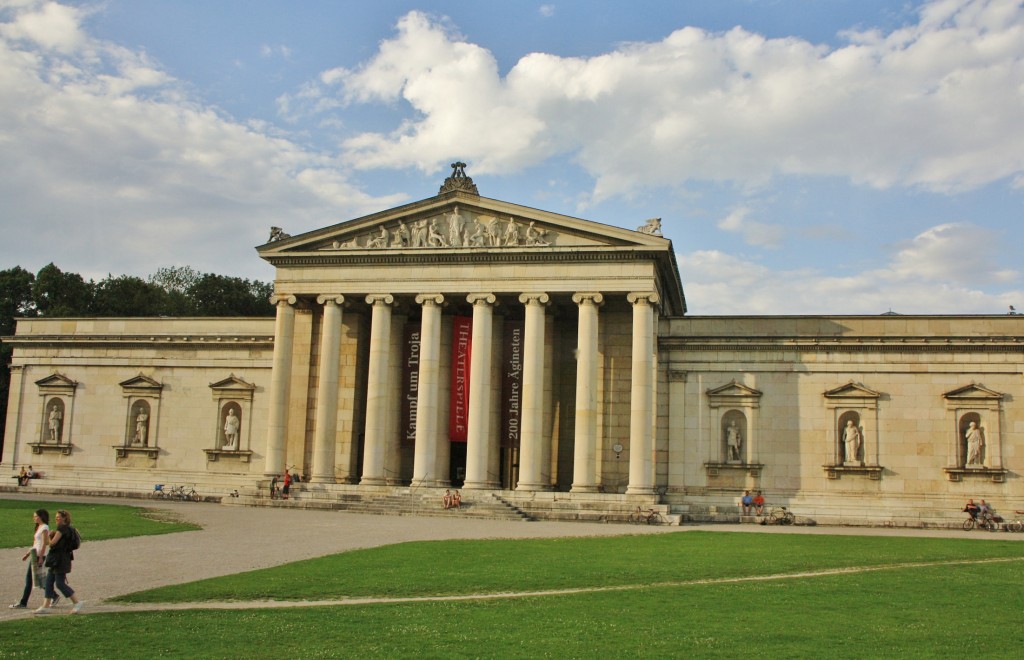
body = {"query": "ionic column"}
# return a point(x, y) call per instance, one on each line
point(424, 467)
point(641, 424)
point(280, 384)
point(584, 471)
point(375, 440)
point(531, 437)
point(326, 429)
point(480, 445)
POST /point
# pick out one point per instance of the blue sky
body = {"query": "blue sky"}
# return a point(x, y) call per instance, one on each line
point(805, 156)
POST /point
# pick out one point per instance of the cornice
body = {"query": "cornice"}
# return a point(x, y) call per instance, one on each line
point(144, 341)
point(848, 345)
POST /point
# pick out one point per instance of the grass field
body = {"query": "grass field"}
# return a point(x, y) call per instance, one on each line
point(95, 521)
point(923, 598)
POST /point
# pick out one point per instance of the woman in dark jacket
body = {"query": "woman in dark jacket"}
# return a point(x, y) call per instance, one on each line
point(58, 561)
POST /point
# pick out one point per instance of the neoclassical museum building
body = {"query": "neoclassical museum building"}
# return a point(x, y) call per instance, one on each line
point(549, 361)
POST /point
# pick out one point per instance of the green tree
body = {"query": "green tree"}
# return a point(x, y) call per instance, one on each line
point(129, 296)
point(217, 295)
point(15, 301)
point(57, 293)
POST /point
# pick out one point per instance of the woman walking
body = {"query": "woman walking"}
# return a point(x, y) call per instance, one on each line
point(63, 543)
point(36, 571)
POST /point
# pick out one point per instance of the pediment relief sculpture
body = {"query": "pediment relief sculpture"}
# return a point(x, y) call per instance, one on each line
point(457, 229)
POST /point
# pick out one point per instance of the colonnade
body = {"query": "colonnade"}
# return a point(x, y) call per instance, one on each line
point(535, 448)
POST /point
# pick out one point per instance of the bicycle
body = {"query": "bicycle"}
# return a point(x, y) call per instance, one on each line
point(651, 517)
point(780, 515)
point(158, 492)
point(1016, 525)
point(985, 522)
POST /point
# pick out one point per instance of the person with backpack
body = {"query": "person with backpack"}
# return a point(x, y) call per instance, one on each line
point(63, 543)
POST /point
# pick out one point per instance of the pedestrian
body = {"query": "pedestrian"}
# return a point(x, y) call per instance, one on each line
point(287, 484)
point(63, 543)
point(36, 573)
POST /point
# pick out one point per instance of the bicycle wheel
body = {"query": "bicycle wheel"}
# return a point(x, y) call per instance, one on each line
point(969, 524)
point(655, 519)
point(789, 518)
point(772, 519)
point(1015, 526)
point(992, 526)
point(634, 518)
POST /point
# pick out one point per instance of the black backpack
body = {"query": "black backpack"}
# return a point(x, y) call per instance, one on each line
point(74, 540)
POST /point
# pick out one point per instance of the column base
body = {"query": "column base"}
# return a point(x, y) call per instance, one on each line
point(640, 490)
point(322, 480)
point(480, 485)
point(429, 483)
point(585, 488)
point(533, 487)
point(373, 481)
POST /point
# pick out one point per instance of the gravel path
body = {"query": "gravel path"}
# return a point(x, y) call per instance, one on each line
point(235, 539)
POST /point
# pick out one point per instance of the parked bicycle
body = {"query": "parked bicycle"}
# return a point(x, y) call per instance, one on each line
point(650, 517)
point(779, 515)
point(158, 492)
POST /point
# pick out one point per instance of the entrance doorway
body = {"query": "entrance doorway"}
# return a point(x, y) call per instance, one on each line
point(457, 464)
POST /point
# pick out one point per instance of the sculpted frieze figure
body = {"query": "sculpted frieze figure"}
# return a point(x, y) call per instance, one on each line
point(652, 226)
point(535, 236)
point(434, 238)
point(454, 230)
point(141, 427)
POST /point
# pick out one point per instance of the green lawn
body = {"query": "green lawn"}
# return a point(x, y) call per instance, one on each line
point(94, 521)
point(936, 611)
point(463, 567)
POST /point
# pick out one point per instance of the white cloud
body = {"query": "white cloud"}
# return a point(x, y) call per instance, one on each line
point(754, 233)
point(106, 154)
point(937, 104)
point(547, 11)
point(939, 271)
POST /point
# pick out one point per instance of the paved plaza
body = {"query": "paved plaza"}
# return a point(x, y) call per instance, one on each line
point(235, 539)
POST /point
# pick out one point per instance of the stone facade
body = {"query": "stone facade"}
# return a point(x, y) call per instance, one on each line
point(466, 341)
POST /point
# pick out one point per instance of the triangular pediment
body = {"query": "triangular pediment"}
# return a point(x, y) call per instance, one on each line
point(140, 382)
point(232, 383)
point(973, 392)
point(459, 223)
point(56, 381)
point(733, 390)
point(852, 390)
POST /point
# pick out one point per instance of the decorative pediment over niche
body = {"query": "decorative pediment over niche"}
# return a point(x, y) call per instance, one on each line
point(232, 387)
point(973, 392)
point(734, 389)
point(56, 383)
point(852, 390)
point(733, 394)
point(141, 385)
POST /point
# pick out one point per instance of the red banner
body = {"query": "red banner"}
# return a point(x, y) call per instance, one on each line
point(462, 352)
point(410, 380)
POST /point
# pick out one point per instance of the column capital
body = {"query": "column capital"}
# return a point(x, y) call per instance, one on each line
point(332, 298)
point(481, 298)
point(380, 299)
point(592, 297)
point(643, 297)
point(429, 299)
point(534, 298)
point(283, 298)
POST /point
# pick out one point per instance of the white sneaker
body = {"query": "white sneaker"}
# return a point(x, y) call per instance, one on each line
point(78, 607)
point(44, 610)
